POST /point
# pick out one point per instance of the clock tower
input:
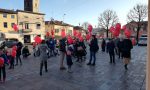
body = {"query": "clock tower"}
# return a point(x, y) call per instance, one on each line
point(31, 5)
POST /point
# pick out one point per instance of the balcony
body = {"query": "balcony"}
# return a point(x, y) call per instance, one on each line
point(26, 30)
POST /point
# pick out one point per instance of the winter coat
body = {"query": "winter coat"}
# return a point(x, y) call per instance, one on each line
point(94, 45)
point(110, 47)
point(43, 52)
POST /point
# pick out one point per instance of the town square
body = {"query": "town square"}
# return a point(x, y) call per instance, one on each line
point(74, 45)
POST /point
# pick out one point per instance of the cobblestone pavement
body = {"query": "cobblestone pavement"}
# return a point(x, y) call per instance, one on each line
point(104, 76)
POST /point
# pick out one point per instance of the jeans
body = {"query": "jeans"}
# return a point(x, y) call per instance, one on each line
point(62, 57)
point(3, 72)
point(18, 59)
point(43, 63)
point(92, 54)
point(11, 62)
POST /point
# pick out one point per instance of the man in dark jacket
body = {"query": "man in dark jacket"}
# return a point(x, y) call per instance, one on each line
point(111, 48)
point(93, 49)
point(119, 46)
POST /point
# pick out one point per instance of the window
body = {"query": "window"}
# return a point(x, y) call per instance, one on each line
point(5, 24)
point(12, 16)
point(27, 26)
point(38, 26)
point(56, 30)
point(12, 24)
point(4, 15)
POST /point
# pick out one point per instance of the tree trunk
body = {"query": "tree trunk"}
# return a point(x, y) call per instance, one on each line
point(137, 34)
point(107, 32)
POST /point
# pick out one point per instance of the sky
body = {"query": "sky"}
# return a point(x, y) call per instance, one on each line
point(78, 11)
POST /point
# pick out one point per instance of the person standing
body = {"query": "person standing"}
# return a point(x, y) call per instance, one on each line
point(43, 56)
point(126, 51)
point(103, 46)
point(19, 48)
point(111, 50)
point(93, 49)
point(62, 50)
point(119, 46)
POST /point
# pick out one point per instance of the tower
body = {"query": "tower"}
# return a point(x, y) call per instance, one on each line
point(31, 5)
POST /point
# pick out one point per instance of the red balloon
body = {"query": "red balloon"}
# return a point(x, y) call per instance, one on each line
point(15, 27)
point(13, 53)
point(38, 39)
point(118, 26)
point(63, 33)
point(81, 39)
point(70, 40)
point(90, 28)
point(124, 27)
point(112, 29)
point(127, 33)
point(88, 36)
point(1, 62)
point(79, 34)
point(52, 32)
point(47, 34)
point(74, 32)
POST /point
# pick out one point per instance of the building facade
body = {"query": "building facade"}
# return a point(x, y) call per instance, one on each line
point(30, 25)
point(7, 19)
point(132, 26)
point(30, 22)
point(57, 27)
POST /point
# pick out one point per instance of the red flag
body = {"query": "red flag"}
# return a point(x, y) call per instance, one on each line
point(47, 34)
point(90, 28)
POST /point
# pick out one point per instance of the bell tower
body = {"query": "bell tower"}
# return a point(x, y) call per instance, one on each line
point(31, 5)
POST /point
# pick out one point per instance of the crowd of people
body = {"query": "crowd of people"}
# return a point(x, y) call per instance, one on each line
point(77, 50)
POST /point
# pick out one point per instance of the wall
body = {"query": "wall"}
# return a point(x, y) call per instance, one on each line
point(9, 20)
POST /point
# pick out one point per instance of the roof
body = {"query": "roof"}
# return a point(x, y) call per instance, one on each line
point(55, 22)
point(8, 11)
point(30, 12)
point(135, 23)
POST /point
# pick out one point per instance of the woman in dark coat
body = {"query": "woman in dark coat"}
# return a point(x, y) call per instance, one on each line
point(126, 51)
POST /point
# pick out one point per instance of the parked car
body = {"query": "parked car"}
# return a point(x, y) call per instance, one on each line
point(11, 42)
point(142, 41)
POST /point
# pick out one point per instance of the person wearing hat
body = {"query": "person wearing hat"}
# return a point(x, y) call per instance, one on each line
point(93, 49)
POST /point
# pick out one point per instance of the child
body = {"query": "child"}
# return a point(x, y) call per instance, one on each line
point(69, 58)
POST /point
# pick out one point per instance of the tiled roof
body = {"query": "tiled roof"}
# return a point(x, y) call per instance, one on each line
point(30, 12)
point(57, 23)
point(8, 11)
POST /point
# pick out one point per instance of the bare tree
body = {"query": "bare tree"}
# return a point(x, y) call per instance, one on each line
point(137, 14)
point(107, 19)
